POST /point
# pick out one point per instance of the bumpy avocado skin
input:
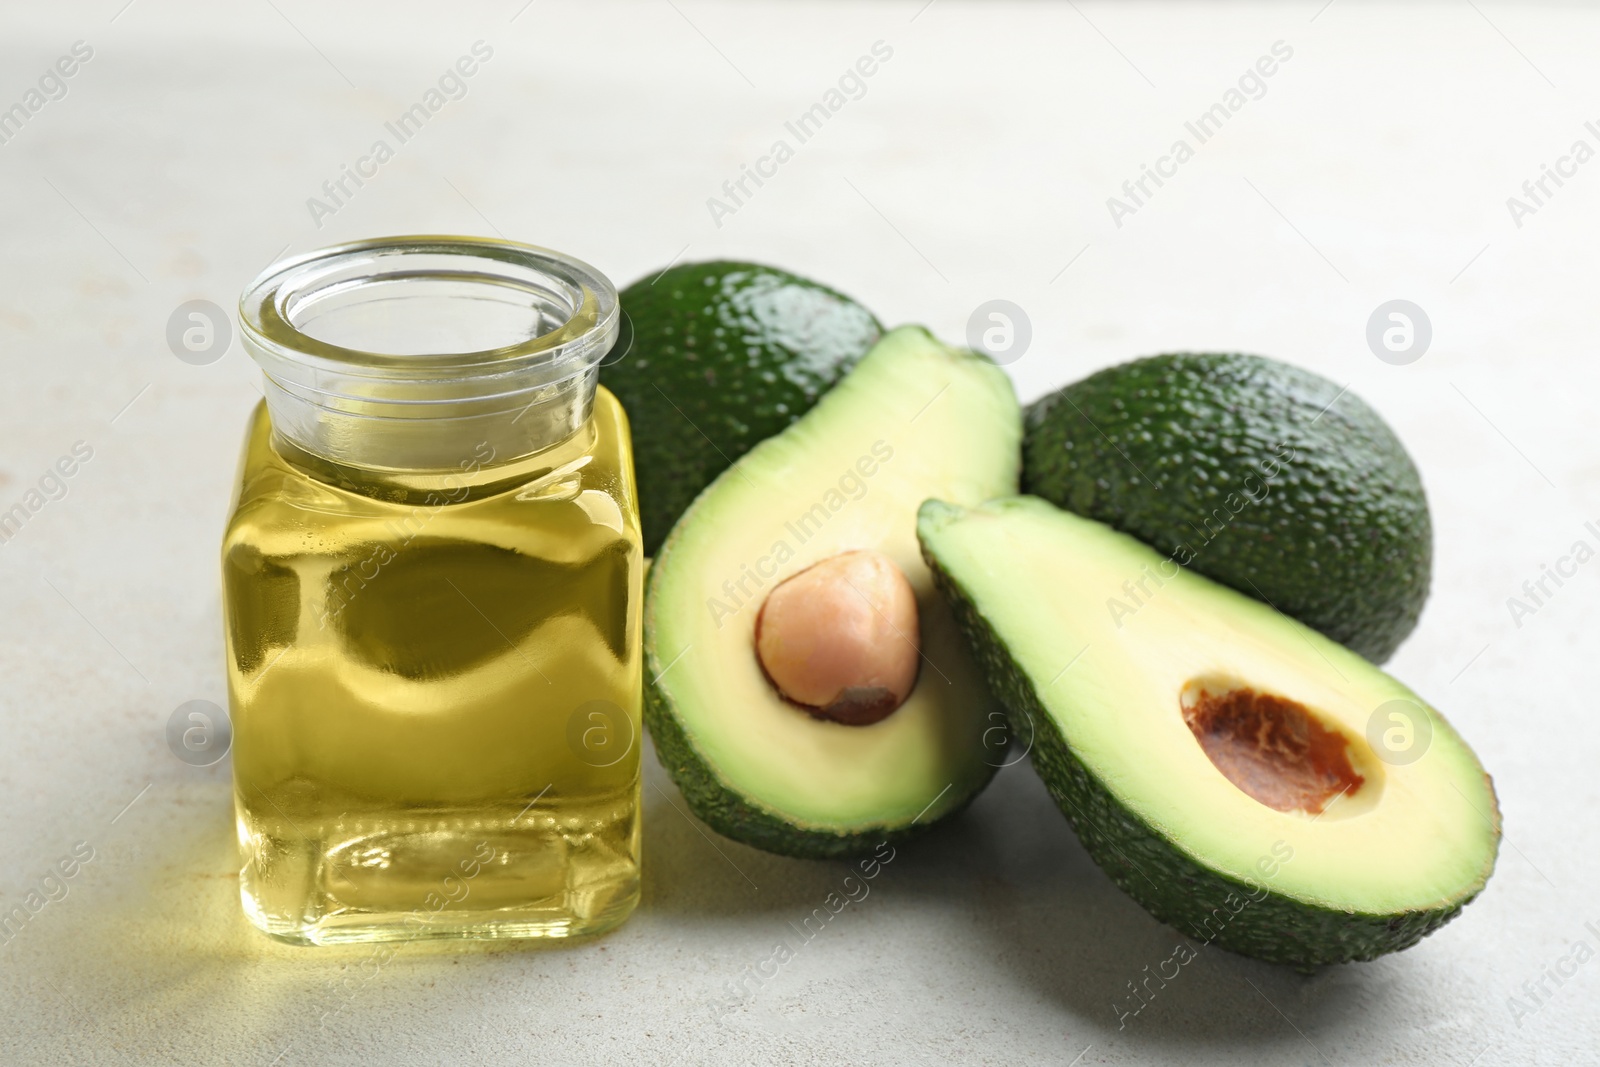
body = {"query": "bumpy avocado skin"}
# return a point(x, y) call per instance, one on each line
point(1175, 450)
point(1164, 880)
point(716, 357)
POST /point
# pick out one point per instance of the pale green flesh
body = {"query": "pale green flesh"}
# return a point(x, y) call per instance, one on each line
point(949, 425)
point(1412, 837)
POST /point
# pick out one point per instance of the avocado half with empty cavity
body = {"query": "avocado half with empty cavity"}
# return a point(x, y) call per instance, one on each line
point(823, 722)
point(1246, 779)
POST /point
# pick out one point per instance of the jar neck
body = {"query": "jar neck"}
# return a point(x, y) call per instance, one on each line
point(422, 443)
point(479, 471)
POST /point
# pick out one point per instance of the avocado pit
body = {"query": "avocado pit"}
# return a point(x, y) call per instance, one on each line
point(1273, 749)
point(840, 639)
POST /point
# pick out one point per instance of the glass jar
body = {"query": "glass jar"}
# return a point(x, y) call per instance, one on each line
point(431, 581)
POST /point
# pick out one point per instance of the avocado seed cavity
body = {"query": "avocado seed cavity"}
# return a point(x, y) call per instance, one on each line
point(1273, 749)
point(841, 638)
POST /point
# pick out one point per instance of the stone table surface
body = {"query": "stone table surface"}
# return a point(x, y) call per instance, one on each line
point(979, 161)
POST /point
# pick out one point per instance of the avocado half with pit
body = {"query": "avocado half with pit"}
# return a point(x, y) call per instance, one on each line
point(825, 514)
point(1248, 780)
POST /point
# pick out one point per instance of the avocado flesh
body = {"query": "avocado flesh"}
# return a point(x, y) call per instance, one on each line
point(1258, 474)
point(714, 358)
point(925, 420)
point(1382, 866)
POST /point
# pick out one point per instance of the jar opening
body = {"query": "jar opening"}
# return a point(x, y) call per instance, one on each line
point(428, 313)
point(458, 339)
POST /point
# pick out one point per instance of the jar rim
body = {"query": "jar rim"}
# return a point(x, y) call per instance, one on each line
point(266, 317)
point(413, 407)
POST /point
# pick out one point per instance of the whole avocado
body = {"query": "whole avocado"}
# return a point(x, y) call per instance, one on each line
point(714, 358)
point(1259, 475)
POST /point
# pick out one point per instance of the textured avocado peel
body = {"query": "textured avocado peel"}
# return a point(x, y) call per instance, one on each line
point(1260, 475)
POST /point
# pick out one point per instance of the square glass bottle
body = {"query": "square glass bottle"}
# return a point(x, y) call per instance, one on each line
point(432, 580)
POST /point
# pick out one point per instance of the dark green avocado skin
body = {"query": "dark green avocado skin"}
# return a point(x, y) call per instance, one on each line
point(1170, 884)
point(714, 358)
point(1271, 479)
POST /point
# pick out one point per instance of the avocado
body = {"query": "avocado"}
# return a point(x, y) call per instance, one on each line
point(715, 357)
point(1234, 771)
point(1257, 474)
point(914, 419)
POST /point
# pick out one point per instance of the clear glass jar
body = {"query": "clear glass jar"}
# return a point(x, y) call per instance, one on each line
point(431, 583)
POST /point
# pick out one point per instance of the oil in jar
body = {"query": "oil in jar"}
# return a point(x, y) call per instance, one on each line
point(436, 704)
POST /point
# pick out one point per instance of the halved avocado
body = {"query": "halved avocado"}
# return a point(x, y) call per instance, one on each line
point(1246, 779)
point(914, 419)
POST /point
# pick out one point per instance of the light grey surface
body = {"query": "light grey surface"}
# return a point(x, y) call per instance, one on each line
point(977, 165)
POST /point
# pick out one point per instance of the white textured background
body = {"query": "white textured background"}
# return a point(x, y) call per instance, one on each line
point(976, 166)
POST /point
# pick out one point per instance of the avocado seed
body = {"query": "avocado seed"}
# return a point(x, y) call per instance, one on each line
point(841, 638)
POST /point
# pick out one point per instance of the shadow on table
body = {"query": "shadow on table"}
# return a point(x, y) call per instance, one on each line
point(162, 938)
point(1010, 870)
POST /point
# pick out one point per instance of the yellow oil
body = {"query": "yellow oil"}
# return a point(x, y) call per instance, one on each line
point(434, 682)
